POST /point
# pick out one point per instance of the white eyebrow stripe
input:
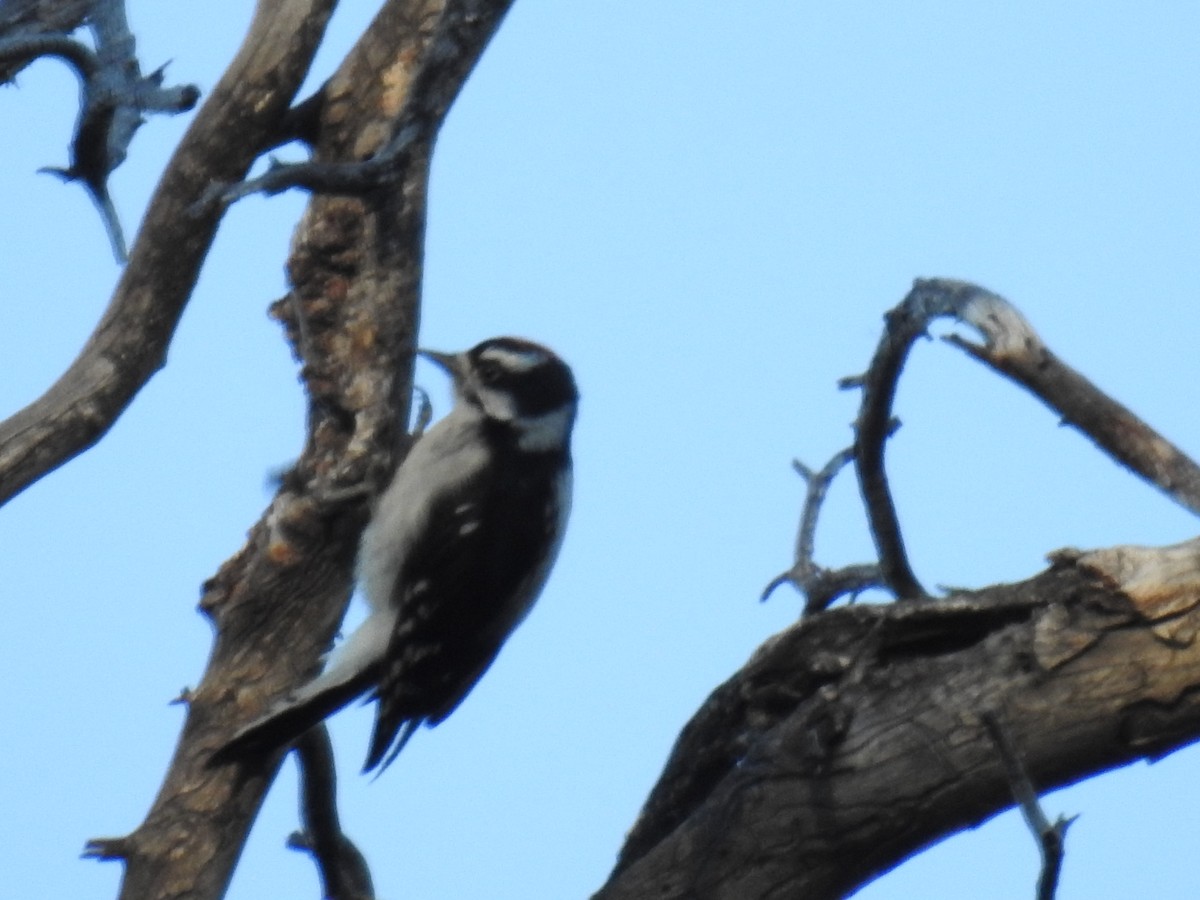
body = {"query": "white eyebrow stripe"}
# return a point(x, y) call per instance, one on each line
point(515, 360)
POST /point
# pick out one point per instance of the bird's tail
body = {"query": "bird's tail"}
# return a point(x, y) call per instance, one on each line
point(353, 667)
point(390, 732)
point(295, 714)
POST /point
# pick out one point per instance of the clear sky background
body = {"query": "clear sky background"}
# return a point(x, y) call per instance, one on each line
point(706, 208)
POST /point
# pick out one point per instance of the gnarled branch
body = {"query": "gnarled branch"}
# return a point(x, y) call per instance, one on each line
point(130, 342)
point(355, 270)
point(856, 738)
point(860, 735)
point(114, 95)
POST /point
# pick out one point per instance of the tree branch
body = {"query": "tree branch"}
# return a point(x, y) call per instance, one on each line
point(344, 872)
point(129, 344)
point(21, 50)
point(904, 324)
point(822, 586)
point(351, 315)
point(874, 425)
point(114, 96)
point(23, 19)
point(854, 739)
point(1050, 837)
point(1012, 348)
point(436, 84)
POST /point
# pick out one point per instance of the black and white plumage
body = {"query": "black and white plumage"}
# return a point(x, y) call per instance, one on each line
point(455, 554)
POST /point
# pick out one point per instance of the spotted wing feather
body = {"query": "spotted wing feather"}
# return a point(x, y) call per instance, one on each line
point(472, 576)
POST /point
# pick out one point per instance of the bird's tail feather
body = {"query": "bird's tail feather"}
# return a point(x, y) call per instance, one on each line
point(389, 735)
point(295, 714)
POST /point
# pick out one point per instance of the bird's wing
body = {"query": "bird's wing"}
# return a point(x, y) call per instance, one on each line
point(477, 565)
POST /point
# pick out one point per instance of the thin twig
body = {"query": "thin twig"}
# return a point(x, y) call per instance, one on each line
point(345, 179)
point(343, 869)
point(1050, 836)
point(821, 586)
point(114, 96)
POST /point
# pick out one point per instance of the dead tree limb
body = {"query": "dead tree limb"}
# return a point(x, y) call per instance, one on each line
point(854, 739)
point(114, 95)
point(860, 735)
point(351, 315)
point(874, 425)
point(130, 342)
point(343, 869)
point(1050, 836)
point(820, 585)
point(22, 20)
point(1012, 348)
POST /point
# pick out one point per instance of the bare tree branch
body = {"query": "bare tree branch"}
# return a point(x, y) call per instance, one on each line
point(23, 19)
point(854, 739)
point(351, 315)
point(1013, 348)
point(821, 586)
point(1050, 837)
point(431, 94)
point(129, 344)
point(343, 869)
point(859, 736)
point(114, 96)
point(904, 325)
point(24, 49)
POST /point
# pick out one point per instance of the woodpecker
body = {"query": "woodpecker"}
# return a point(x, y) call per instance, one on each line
point(456, 551)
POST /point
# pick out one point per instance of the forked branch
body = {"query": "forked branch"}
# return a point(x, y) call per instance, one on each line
point(351, 315)
point(130, 342)
point(114, 95)
point(856, 738)
point(821, 586)
point(1050, 836)
point(1012, 348)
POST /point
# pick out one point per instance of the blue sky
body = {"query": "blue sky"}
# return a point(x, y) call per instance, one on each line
point(706, 208)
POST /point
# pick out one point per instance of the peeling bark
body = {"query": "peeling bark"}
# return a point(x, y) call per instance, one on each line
point(856, 738)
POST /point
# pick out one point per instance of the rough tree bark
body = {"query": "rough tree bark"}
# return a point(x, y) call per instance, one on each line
point(351, 315)
point(845, 744)
point(863, 734)
point(854, 739)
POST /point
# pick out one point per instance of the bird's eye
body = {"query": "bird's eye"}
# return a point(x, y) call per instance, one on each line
point(489, 371)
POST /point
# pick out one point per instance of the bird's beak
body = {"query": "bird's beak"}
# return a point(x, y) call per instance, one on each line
point(451, 362)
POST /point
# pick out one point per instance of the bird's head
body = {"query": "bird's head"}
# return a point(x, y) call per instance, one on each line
point(519, 384)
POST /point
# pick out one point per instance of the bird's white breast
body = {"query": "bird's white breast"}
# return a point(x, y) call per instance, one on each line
point(448, 454)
